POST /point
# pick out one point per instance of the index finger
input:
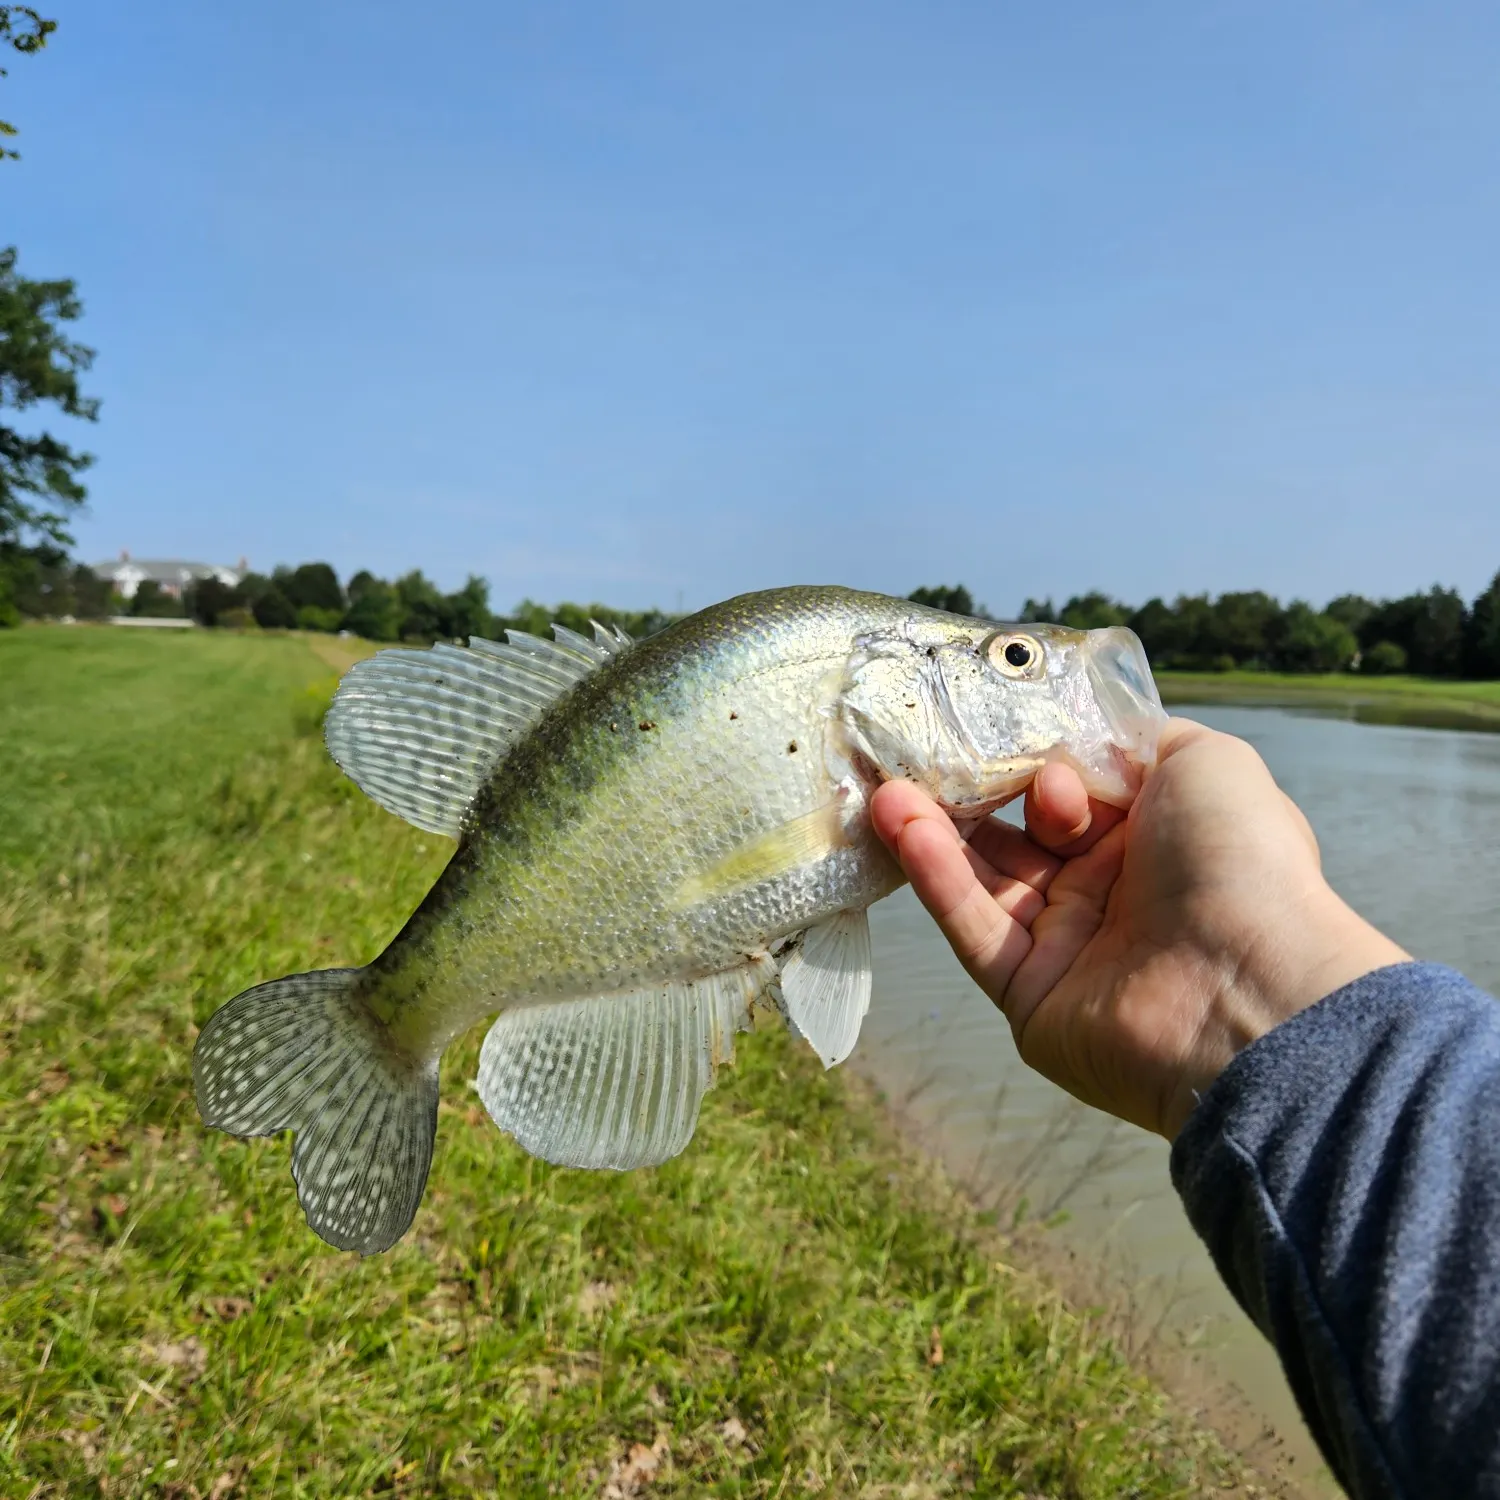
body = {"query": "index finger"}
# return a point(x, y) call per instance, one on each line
point(985, 922)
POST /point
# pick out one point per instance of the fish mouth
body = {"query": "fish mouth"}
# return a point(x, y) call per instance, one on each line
point(997, 784)
point(1120, 676)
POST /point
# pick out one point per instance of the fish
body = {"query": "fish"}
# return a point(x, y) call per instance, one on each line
point(653, 840)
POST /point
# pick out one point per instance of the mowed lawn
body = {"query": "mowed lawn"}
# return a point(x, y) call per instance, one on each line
point(789, 1308)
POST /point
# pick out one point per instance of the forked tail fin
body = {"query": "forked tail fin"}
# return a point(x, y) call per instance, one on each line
point(305, 1053)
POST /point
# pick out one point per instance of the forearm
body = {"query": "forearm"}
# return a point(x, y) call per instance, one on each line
point(1344, 1171)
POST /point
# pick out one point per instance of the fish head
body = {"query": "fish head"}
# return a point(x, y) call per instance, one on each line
point(971, 710)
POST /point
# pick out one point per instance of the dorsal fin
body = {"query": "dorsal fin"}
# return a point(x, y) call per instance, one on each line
point(421, 731)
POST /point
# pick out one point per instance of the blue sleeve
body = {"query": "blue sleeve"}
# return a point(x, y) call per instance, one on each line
point(1344, 1172)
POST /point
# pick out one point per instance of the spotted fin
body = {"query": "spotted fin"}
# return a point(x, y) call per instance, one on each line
point(304, 1053)
point(825, 985)
point(421, 731)
point(615, 1081)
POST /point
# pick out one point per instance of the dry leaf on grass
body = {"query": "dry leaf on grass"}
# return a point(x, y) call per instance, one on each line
point(630, 1475)
point(53, 1081)
point(111, 1206)
point(935, 1346)
point(187, 1355)
point(596, 1296)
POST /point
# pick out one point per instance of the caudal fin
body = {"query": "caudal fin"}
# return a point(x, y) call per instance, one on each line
point(305, 1053)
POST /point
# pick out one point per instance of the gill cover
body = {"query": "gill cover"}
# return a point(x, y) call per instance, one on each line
point(971, 711)
point(924, 703)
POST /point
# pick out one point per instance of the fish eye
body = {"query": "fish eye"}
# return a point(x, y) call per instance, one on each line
point(1015, 655)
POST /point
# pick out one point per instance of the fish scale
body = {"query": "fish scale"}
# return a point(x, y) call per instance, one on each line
point(652, 839)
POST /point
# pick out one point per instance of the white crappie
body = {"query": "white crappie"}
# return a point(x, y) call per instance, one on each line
point(652, 838)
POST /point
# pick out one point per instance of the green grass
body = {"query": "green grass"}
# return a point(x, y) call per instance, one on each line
point(760, 1317)
point(1380, 700)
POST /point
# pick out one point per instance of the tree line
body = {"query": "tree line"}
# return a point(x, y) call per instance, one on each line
point(409, 608)
point(1435, 633)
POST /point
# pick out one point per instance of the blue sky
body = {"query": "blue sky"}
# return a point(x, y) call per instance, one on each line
point(654, 303)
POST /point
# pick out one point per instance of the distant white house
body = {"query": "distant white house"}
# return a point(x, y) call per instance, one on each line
point(128, 573)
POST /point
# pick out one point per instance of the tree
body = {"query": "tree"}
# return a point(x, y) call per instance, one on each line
point(422, 614)
point(211, 597)
point(375, 611)
point(1392, 620)
point(1439, 624)
point(1159, 629)
point(1037, 612)
point(537, 619)
point(273, 610)
point(1244, 626)
point(362, 583)
point(1093, 611)
point(311, 617)
point(45, 584)
point(24, 31)
point(313, 584)
point(469, 610)
point(1195, 630)
point(1351, 610)
point(39, 485)
point(956, 600)
point(252, 586)
point(1383, 659)
point(152, 600)
point(1482, 639)
point(1310, 641)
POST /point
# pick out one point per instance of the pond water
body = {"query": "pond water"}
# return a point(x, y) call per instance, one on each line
point(1409, 824)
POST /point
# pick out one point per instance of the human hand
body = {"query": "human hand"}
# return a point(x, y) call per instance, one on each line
point(1135, 954)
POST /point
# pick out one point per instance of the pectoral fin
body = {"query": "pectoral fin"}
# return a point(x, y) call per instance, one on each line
point(825, 985)
point(615, 1081)
point(802, 841)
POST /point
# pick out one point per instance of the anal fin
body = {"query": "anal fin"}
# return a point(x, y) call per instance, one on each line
point(826, 983)
point(615, 1081)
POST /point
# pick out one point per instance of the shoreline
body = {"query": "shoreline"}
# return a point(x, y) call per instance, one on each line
point(1287, 1463)
point(1419, 703)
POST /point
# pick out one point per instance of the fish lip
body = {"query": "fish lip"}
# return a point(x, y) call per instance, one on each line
point(997, 793)
point(970, 811)
point(1120, 675)
point(1121, 784)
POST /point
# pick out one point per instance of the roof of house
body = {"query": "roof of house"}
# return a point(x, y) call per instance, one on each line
point(161, 570)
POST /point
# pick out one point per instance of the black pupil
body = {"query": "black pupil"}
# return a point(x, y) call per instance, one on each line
point(1018, 655)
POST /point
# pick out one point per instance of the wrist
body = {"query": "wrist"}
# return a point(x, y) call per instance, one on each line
point(1285, 967)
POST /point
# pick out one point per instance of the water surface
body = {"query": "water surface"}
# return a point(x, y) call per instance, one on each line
point(1409, 824)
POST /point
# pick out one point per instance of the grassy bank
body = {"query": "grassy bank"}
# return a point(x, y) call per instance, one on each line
point(1420, 701)
point(787, 1309)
